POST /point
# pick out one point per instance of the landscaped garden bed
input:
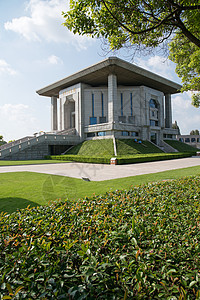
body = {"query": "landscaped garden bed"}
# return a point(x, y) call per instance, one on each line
point(141, 243)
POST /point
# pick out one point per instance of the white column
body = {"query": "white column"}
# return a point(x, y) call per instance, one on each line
point(112, 98)
point(168, 111)
point(54, 117)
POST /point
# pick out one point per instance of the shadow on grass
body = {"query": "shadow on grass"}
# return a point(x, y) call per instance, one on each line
point(12, 204)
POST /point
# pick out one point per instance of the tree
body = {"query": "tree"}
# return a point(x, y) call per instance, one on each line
point(145, 24)
point(194, 132)
point(175, 126)
point(2, 142)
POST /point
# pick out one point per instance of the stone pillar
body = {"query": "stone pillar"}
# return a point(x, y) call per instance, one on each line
point(54, 117)
point(112, 98)
point(168, 111)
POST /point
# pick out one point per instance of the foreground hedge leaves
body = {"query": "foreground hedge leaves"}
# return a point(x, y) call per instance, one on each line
point(136, 244)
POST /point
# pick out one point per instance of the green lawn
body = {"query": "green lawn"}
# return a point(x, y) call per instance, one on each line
point(18, 190)
point(28, 162)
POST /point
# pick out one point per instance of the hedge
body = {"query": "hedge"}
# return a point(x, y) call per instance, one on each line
point(140, 244)
point(80, 158)
point(151, 157)
point(121, 159)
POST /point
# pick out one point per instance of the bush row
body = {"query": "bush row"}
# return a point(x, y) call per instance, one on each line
point(140, 244)
point(81, 158)
point(151, 157)
point(129, 159)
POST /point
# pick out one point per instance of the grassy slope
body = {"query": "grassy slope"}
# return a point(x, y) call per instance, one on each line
point(181, 147)
point(18, 190)
point(105, 148)
point(130, 147)
point(102, 147)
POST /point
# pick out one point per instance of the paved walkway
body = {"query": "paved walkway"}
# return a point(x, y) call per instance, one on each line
point(97, 172)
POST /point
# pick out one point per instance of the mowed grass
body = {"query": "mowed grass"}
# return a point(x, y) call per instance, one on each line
point(20, 189)
point(28, 162)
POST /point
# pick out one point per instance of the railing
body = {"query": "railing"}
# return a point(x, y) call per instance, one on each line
point(17, 142)
point(28, 142)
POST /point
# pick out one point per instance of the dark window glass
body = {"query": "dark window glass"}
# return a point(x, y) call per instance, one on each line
point(102, 120)
point(131, 119)
point(101, 133)
point(93, 105)
point(93, 120)
point(90, 134)
point(153, 123)
point(125, 133)
point(153, 103)
point(187, 140)
point(133, 133)
point(122, 119)
point(122, 104)
point(102, 105)
point(131, 99)
point(193, 140)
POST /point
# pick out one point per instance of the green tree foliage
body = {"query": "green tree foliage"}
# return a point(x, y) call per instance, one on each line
point(194, 132)
point(145, 24)
point(2, 140)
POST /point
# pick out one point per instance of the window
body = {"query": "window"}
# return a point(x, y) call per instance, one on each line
point(102, 105)
point(122, 105)
point(125, 133)
point(181, 140)
point(92, 105)
point(122, 119)
point(90, 134)
point(131, 99)
point(101, 133)
point(93, 120)
point(198, 140)
point(133, 133)
point(153, 103)
point(193, 140)
point(153, 123)
point(131, 119)
point(102, 120)
point(187, 140)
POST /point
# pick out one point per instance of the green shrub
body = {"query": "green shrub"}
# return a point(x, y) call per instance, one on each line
point(150, 157)
point(80, 158)
point(137, 244)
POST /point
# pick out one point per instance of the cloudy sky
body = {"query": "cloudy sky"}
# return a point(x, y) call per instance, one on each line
point(36, 50)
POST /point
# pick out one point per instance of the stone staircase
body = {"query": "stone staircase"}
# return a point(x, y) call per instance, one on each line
point(38, 146)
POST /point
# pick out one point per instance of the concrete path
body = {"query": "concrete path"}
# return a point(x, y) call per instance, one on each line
point(97, 172)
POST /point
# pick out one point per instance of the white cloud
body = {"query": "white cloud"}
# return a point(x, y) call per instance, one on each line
point(16, 121)
point(187, 116)
point(44, 23)
point(158, 64)
point(6, 68)
point(54, 60)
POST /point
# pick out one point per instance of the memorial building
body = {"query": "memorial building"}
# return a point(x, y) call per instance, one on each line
point(113, 98)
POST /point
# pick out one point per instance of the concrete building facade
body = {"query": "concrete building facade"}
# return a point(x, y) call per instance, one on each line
point(113, 98)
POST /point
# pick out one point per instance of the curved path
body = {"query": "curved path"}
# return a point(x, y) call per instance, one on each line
point(98, 172)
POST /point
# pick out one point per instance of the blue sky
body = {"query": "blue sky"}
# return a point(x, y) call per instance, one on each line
point(36, 50)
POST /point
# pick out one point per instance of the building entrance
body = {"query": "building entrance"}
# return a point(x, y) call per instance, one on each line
point(154, 137)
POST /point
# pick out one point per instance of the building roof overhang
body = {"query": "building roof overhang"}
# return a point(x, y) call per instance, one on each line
point(127, 74)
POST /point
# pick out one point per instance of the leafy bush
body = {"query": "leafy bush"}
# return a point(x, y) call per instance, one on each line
point(150, 157)
point(136, 244)
point(80, 158)
point(129, 159)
